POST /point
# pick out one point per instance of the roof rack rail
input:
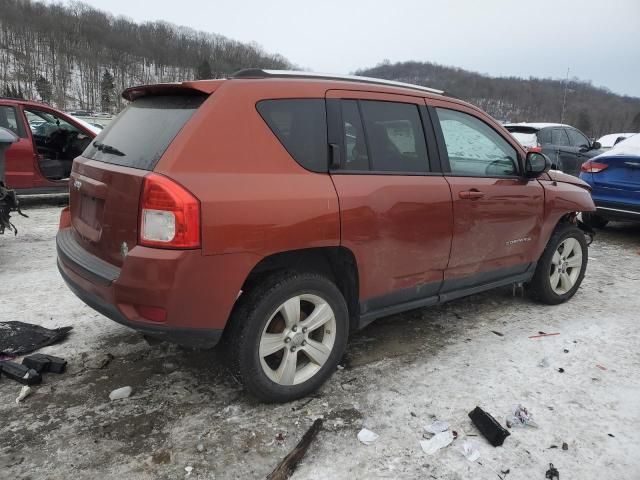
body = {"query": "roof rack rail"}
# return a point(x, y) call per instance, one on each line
point(260, 73)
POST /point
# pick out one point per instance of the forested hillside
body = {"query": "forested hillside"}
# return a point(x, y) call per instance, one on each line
point(74, 56)
point(596, 111)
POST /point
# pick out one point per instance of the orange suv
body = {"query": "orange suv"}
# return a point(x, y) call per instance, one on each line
point(279, 211)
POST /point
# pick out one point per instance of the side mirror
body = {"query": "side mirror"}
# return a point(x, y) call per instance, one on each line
point(596, 146)
point(536, 164)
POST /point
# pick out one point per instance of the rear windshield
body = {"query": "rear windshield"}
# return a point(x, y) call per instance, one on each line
point(142, 132)
point(526, 139)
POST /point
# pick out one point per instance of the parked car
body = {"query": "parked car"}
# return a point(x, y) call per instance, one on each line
point(280, 211)
point(49, 140)
point(567, 147)
point(608, 141)
point(615, 179)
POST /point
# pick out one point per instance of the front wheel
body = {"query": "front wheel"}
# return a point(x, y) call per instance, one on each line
point(288, 335)
point(561, 267)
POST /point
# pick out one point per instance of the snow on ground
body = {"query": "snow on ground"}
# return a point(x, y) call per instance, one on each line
point(400, 374)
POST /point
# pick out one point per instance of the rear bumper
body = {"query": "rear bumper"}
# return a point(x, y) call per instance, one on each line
point(196, 291)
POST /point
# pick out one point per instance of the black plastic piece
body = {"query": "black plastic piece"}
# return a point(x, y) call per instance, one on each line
point(20, 373)
point(56, 364)
point(552, 473)
point(37, 361)
point(488, 426)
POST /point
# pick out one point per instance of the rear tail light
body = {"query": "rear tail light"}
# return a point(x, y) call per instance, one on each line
point(537, 149)
point(593, 167)
point(169, 215)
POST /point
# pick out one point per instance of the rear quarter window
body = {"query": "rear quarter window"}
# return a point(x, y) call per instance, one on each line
point(301, 126)
point(141, 134)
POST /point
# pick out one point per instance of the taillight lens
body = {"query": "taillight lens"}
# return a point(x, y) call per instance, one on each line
point(537, 149)
point(593, 167)
point(169, 215)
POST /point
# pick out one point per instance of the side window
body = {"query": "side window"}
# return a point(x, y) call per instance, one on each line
point(544, 136)
point(9, 120)
point(474, 148)
point(559, 137)
point(45, 124)
point(395, 136)
point(301, 127)
point(577, 139)
point(355, 144)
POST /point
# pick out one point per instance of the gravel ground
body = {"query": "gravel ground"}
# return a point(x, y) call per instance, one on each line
point(400, 373)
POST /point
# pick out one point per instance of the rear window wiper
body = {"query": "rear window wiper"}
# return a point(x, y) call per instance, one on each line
point(103, 147)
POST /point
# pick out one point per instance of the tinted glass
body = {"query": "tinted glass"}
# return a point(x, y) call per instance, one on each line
point(544, 136)
point(301, 127)
point(139, 136)
point(395, 136)
point(9, 120)
point(474, 148)
point(577, 139)
point(558, 137)
point(355, 144)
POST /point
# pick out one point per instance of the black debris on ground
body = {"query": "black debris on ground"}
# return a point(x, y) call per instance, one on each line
point(19, 338)
point(488, 426)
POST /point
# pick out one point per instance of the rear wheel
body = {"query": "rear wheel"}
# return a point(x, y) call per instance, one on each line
point(288, 335)
point(594, 220)
point(561, 267)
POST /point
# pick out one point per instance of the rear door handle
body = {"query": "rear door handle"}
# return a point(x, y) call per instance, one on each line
point(472, 194)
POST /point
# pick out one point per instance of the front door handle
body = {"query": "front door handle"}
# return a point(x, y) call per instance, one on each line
point(472, 194)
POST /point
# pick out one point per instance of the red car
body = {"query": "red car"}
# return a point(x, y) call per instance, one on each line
point(40, 161)
point(279, 211)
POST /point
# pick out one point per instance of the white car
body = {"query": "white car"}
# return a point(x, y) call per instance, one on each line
point(608, 141)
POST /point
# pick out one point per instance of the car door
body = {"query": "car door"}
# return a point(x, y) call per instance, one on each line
point(566, 155)
point(497, 213)
point(395, 205)
point(582, 150)
point(19, 158)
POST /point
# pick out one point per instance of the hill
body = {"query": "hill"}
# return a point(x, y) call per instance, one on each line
point(596, 111)
point(75, 56)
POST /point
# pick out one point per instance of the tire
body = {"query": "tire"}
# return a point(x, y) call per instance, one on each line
point(554, 269)
point(594, 220)
point(261, 323)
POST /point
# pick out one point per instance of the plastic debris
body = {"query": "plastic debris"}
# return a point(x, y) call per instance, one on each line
point(24, 393)
point(20, 373)
point(521, 417)
point(565, 446)
point(495, 332)
point(367, 436)
point(437, 427)
point(42, 363)
point(543, 334)
point(544, 363)
point(561, 370)
point(470, 451)
point(488, 426)
point(601, 367)
point(120, 393)
point(188, 469)
point(435, 443)
point(552, 473)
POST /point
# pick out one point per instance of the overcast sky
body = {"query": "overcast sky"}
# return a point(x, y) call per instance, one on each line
point(599, 40)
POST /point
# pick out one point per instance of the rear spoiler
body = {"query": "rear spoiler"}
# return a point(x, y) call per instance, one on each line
point(178, 88)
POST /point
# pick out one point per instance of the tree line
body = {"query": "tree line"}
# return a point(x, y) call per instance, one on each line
point(595, 111)
point(76, 56)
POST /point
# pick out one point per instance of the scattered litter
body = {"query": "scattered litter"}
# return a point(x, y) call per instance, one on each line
point(497, 333)
point(601, 367)
point(20, 373)
point(488, 426)
point(120, 393)
point(435, 443)
point(611, 435)
point(561, 370)
point(289, 463)
point(280, 437)
point(188, 469)
point(553, 446)
point(521, 417)
point(367, 436)
point(437, 427)
point(565, 446)
point(42, 363)
point(566, 350)
point(413, 414)
point(542, 334)
point(24, 393)
point(544, 363)
point(340, 367)
point(469, 450)
point(200, 448)
point(552, 473)
point(19, 338)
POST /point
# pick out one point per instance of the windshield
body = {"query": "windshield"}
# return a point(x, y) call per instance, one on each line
point(139, 136)
point(526, 139)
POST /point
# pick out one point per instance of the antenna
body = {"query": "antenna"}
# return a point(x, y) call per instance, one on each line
point(564, 99)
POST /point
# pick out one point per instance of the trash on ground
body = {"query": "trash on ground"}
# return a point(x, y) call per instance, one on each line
point(188, 469)
point(497, 333)
point(566, 350)
point(561, 370)
point(544, 363)
point(488, 426)
point(19, 338)
point(435, 443)
point(437, 427)
point(42, 363)
point(20, 373)
point(611, 435)
point(470, 451)
point(367, 437)
point(289, 463)
point(542, 334)
point(120, 393)
point(200, 448)
point(565, 446)
point(24, 393)
point(521, 417)
point(552, 473)
point(601, 367)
